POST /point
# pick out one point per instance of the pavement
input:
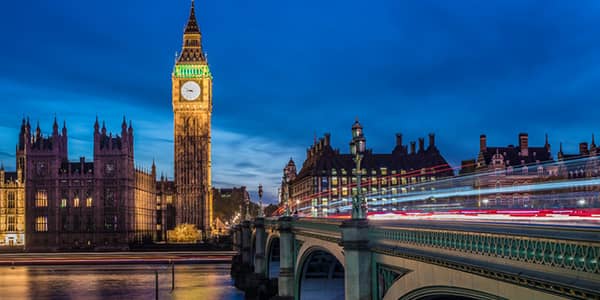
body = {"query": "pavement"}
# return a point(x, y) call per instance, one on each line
point(116, 258)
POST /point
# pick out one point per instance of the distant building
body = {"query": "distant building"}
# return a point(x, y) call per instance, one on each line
point(165, 208)
point(230, 204)
point(327, 179)
point(103, 204)
point(510, 166)
point(289, 174)
point(12, 208)
point(578, 166)
point(588, 168)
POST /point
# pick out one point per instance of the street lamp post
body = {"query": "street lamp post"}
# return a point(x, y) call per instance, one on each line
point(357, 148)
point(247, 200)
point(260, 194)
point(287, 212)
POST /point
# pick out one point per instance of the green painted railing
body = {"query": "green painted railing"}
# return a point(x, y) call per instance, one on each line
point(573, 255)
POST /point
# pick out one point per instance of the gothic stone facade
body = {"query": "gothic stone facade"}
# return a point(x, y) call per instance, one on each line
point(12, 209)
point(103, 204)
point(192, 108)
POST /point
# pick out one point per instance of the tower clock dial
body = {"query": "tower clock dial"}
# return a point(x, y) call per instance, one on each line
point(190, 91)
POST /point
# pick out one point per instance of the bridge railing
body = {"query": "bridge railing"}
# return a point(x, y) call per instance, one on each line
point(572, 255)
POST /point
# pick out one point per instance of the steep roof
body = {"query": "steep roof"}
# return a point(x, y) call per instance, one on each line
point(323, 158)
point(513, 155)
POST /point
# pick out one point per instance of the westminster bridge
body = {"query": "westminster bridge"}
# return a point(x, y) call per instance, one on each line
point(319, 258)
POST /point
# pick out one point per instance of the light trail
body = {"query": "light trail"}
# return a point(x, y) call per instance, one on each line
point(539, 185)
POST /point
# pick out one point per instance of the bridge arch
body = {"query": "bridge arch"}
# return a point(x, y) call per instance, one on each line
point(448, 293)
point(311, 244)
point(320, 275)
point(272, 255)
point(432, 282)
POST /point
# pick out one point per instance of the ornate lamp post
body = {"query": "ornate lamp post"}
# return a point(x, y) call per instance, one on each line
point(287, 212)
point(247, 201)
point(261, 214)
point(357, 149)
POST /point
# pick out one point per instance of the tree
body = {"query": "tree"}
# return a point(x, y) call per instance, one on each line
point(184, 233)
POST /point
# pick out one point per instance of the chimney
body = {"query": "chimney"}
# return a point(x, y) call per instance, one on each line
point(399, 139)
point(421, 144)
point(524, 144)
point(583, 148)
point(482, 143)
point(412, 147)
point(431, 140)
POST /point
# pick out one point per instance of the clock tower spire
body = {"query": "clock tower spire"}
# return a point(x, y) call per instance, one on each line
point(192, 109)
point(192, 41)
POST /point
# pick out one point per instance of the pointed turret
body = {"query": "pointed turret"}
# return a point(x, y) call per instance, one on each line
point(55, 127)
point(124, 130)
point(560, 152)
point(22, 135)
point(103, 128)
point(96, 125)
point(38, 131)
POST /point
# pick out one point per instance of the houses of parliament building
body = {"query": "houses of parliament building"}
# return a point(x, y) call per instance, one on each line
point(51, 202)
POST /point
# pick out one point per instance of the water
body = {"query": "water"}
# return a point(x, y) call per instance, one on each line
point(205, 282)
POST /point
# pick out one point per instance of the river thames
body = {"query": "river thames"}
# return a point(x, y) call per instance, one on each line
point(193, 281)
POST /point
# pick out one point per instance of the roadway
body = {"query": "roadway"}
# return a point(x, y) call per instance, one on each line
point(581, 232)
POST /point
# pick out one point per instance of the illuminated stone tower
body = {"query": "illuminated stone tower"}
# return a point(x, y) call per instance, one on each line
point(192, 108)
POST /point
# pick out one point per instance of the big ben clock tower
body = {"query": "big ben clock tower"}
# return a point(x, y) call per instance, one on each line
point(192, 108)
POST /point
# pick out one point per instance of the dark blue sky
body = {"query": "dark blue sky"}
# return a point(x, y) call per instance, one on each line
point(285, 70)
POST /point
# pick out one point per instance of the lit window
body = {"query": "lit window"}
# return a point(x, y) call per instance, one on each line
point(169, 199)
point(41, 224)
point(76, 202)
point(88, 201)
point(11, 223)
point(41, 198)
point(11, 200)
point(344, 191)
point(63, 202)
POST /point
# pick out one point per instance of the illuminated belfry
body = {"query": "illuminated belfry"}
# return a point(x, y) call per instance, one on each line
point(192, 108)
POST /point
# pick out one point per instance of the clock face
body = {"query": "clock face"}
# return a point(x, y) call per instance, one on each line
point(190, 90)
